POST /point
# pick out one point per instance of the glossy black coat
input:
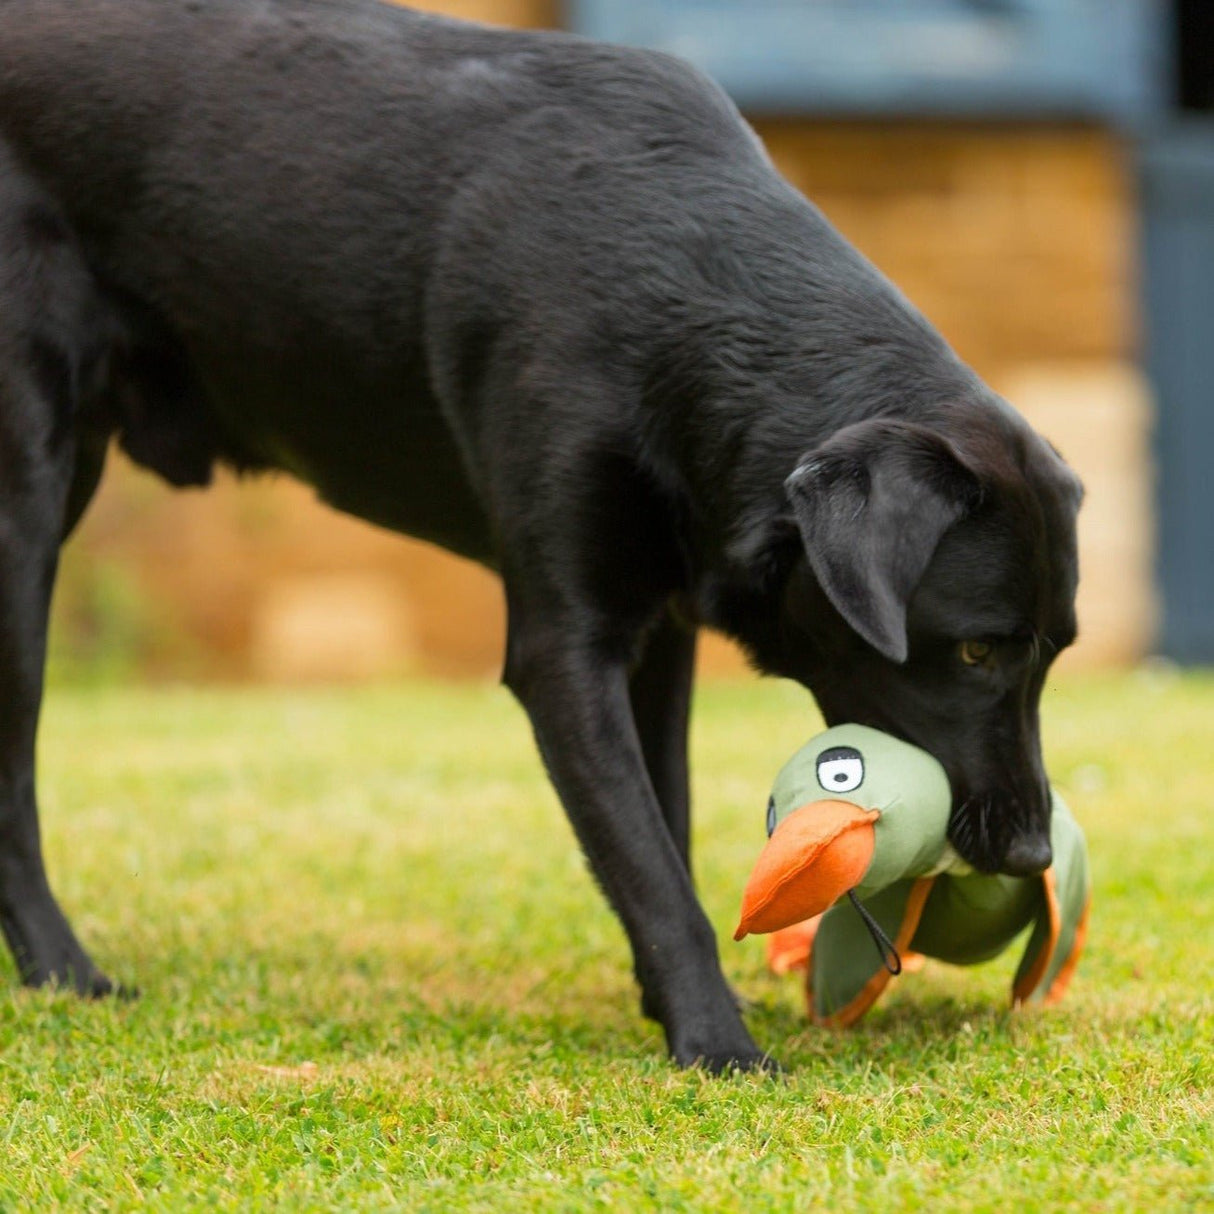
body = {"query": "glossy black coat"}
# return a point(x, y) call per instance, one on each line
point(546, 303)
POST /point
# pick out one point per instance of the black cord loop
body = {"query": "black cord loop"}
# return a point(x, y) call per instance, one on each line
point(885, 946)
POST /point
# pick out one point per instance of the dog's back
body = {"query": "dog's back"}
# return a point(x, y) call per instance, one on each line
point(283, 188)
point(303, 135)
point(359, 120)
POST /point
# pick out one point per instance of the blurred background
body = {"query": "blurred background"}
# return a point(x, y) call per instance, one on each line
point(1037, 175)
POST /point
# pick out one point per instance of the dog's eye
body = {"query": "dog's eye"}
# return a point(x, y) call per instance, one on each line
point(976, 653)
point(840, 769)
point(771, 816)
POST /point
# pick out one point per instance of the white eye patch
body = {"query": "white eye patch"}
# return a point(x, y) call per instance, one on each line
point(840, 769)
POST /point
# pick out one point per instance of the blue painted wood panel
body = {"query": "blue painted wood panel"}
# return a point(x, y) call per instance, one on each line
point(1097, 59)
point(1177, 199)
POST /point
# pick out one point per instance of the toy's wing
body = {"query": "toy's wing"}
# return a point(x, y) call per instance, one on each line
point(847, 973)
point(1058, 936)
point(814, 856)
point(790, 948)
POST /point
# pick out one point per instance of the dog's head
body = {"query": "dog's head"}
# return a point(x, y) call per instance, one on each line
point(939, 586)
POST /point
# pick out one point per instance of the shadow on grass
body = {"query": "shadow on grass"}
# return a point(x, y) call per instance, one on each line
point(905, 1039)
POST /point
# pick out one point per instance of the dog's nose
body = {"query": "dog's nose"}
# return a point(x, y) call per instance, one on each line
point(1027, 856)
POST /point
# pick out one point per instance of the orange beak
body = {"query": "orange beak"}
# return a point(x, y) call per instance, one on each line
point(812, 859)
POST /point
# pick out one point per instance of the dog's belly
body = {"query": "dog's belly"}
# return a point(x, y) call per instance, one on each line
point(379, 449)
point(411, 482)
point(402, 473)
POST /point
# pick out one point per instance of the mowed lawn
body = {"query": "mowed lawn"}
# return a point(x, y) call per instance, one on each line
point(374, 973)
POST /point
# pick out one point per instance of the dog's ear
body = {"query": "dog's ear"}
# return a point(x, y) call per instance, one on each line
point(871, 505)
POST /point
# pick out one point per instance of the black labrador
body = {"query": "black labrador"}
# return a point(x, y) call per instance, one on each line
point(548, 304)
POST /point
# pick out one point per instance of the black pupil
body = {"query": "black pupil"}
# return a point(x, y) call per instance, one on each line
point(841, 767)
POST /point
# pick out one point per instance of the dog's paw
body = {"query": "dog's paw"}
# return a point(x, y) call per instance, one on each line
point(95, 985)
point(68, 968)
point(86, 981)
point(721, 1053)
point(751, 1061)
point(98, 986)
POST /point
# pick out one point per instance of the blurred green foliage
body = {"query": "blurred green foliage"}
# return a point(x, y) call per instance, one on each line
point(106, 628)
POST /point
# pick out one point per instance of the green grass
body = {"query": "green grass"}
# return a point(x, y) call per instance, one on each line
point(375, 974)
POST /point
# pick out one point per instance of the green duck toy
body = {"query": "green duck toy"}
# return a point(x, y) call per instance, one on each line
point(859, 813)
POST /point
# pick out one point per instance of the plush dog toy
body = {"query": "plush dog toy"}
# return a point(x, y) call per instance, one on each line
point(857, 812)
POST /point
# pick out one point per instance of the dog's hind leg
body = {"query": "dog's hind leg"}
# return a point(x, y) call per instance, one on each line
point(52, 353)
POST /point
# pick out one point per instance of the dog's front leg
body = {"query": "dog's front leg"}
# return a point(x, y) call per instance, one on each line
point(660, 691)
point(578, 702)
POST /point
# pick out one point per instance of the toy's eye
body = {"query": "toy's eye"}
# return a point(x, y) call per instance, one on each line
point(840, 769)
point(771, 816)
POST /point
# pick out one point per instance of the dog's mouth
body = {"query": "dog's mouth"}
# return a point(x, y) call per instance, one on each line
point(967, 832)
point(977, 832)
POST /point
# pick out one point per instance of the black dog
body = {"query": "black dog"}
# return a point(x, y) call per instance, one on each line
point(548, 304)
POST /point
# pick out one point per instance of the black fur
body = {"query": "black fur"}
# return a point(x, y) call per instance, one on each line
point(546, 303)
